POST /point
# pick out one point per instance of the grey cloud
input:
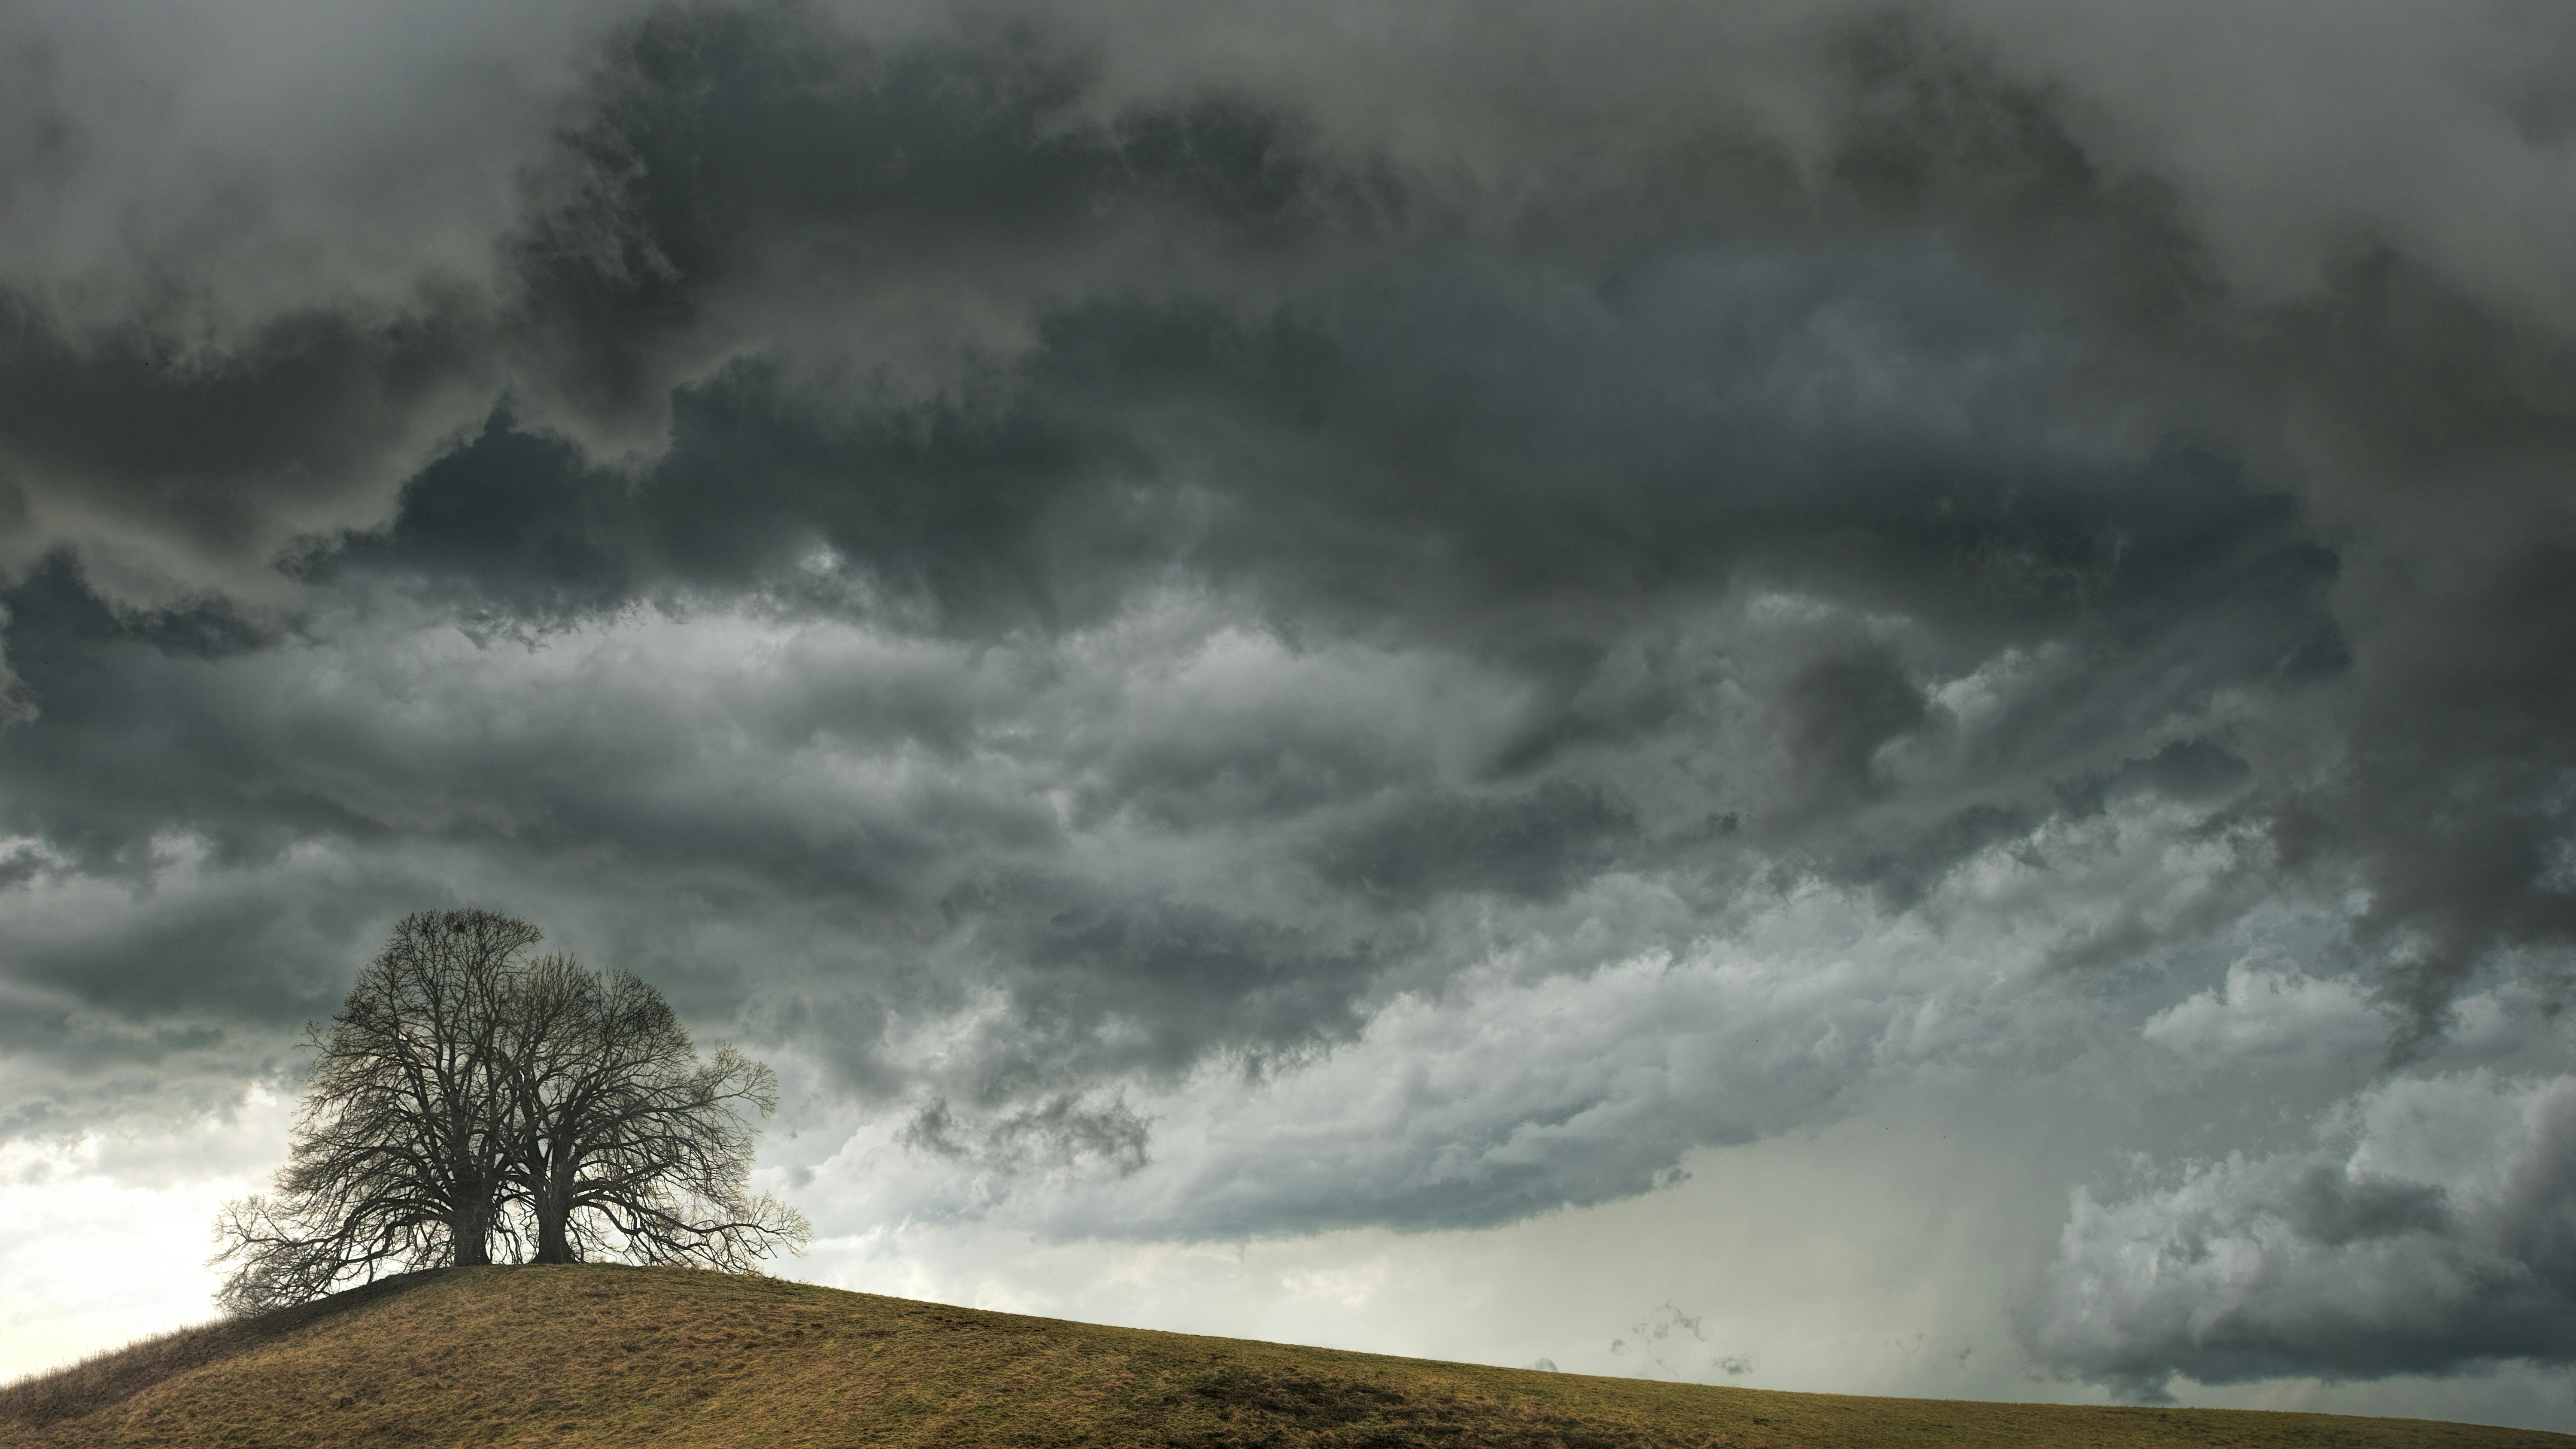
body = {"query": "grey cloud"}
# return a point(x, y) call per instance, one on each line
point(248, 281)
point(1104, 984)
point(1020, 562)
point(2295, 141)
point(1059, 1132)
point(2428, 1234)
point(981, 182)
point(1536, 845)
point(1033, 500)
point(1836, 714)
point(2197, 770)
point(15, 705)
point(174, 474)
point(2267, 1009)
point(1352, 811)
point(1579, 1064)
point(936, 195)
point(212, 169)
point(2453, 807)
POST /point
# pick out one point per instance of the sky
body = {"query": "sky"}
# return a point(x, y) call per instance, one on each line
point(1844, 695)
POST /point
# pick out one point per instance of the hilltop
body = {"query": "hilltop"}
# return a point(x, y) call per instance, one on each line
point(607, 1356)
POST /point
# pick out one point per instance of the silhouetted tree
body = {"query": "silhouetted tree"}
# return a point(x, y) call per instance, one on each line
point(467, 1096)
point(627, 1145)
point(400, 1155)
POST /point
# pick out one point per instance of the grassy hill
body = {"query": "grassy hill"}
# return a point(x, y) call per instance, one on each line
point(625, 1357)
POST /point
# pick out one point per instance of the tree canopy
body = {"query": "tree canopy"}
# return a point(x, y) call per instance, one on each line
point(473, 1103)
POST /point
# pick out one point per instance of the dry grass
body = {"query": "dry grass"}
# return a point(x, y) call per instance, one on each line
point(119, 1374)
point(598, 1356)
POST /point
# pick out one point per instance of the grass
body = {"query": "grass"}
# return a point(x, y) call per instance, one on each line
point(605, 1356)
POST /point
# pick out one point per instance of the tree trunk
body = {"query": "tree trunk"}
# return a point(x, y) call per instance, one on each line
point(473, 1241)
point(554, 1243)
point(554, 1217)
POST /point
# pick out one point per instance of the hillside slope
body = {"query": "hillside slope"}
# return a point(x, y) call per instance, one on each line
point(602, 1356)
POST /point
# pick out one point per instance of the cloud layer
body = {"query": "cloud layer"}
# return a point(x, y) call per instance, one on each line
point(1327, 620)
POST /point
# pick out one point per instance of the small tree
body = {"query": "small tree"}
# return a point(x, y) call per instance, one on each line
point(466, 1097)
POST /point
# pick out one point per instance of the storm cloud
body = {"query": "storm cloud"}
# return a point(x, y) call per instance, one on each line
point(1319, 621)
point(2431, 1230)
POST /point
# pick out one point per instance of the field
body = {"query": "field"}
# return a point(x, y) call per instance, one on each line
point(604, 1356)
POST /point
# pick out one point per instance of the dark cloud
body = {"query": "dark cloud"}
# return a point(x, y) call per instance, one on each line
point(1534, 846)
point(177, 470)
point(1057, 1132)
point(2432, 1236)
point(2454, 808)
point(738, 162)
point(1101, 987)
point(1835, 715)
point(1139, 446)
point(1023, 560)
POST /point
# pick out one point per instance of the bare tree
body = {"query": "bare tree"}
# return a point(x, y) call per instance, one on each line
point(401, 1151)
point(628, 1146)
point(466, 1096)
